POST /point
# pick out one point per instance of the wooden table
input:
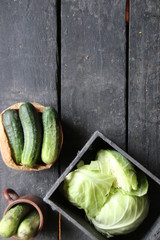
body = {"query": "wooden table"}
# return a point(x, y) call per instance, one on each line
point(100, 73)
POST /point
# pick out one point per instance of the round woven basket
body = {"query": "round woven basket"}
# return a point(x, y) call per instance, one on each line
point(5, 148)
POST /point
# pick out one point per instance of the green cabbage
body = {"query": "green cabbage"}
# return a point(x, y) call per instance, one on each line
point(110, 191)
point(121, 214)
point(87, 189)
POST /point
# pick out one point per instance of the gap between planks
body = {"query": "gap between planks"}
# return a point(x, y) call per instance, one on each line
point(127, 68)
point(58, 83)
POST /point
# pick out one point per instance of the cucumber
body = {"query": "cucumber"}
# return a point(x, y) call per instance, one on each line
point(14, 132)
point(10, 222)
point(51, 136)
point(29, 226)
point(32, 129)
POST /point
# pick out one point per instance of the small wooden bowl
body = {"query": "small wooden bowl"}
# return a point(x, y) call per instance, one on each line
point(5, 148)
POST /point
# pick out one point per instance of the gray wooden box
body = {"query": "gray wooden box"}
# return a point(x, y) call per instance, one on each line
point(150, 228)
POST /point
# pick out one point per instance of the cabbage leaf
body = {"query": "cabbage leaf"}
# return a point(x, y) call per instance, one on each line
point(114, 164)
point(87, 189)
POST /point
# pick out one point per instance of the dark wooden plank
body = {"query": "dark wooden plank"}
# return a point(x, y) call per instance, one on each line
point(27, 73)
point(144, 84)
point(93, 78)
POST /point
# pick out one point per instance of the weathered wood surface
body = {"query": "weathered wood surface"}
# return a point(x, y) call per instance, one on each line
point(93, 77)
point(94, 88)
point(144, 84)
point(28, 45)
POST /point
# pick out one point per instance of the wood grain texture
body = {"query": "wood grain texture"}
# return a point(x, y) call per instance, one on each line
point(93, 70)
point(28, 45)
point(93, 81)
point(27, 51)
point(144, 84)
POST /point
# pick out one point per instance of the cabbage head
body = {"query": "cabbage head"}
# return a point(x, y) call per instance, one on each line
point(110, 191)
point(121, 214)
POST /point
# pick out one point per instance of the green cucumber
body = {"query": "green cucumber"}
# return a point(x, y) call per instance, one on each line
point(51, 136)
point(29, 226)
point(14, 132)
point(10, 222)
point(31, 124)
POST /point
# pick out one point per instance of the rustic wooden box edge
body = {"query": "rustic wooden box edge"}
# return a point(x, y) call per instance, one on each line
point(91, 232)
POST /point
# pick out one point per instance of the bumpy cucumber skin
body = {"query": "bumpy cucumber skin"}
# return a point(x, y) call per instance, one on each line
point(51, 136)
point(10, 222)
point(32, 128)
point(14, 132)
point(29, 226)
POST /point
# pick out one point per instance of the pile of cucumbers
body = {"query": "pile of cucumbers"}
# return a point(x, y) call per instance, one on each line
point(33, 136)
point(20, 220)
